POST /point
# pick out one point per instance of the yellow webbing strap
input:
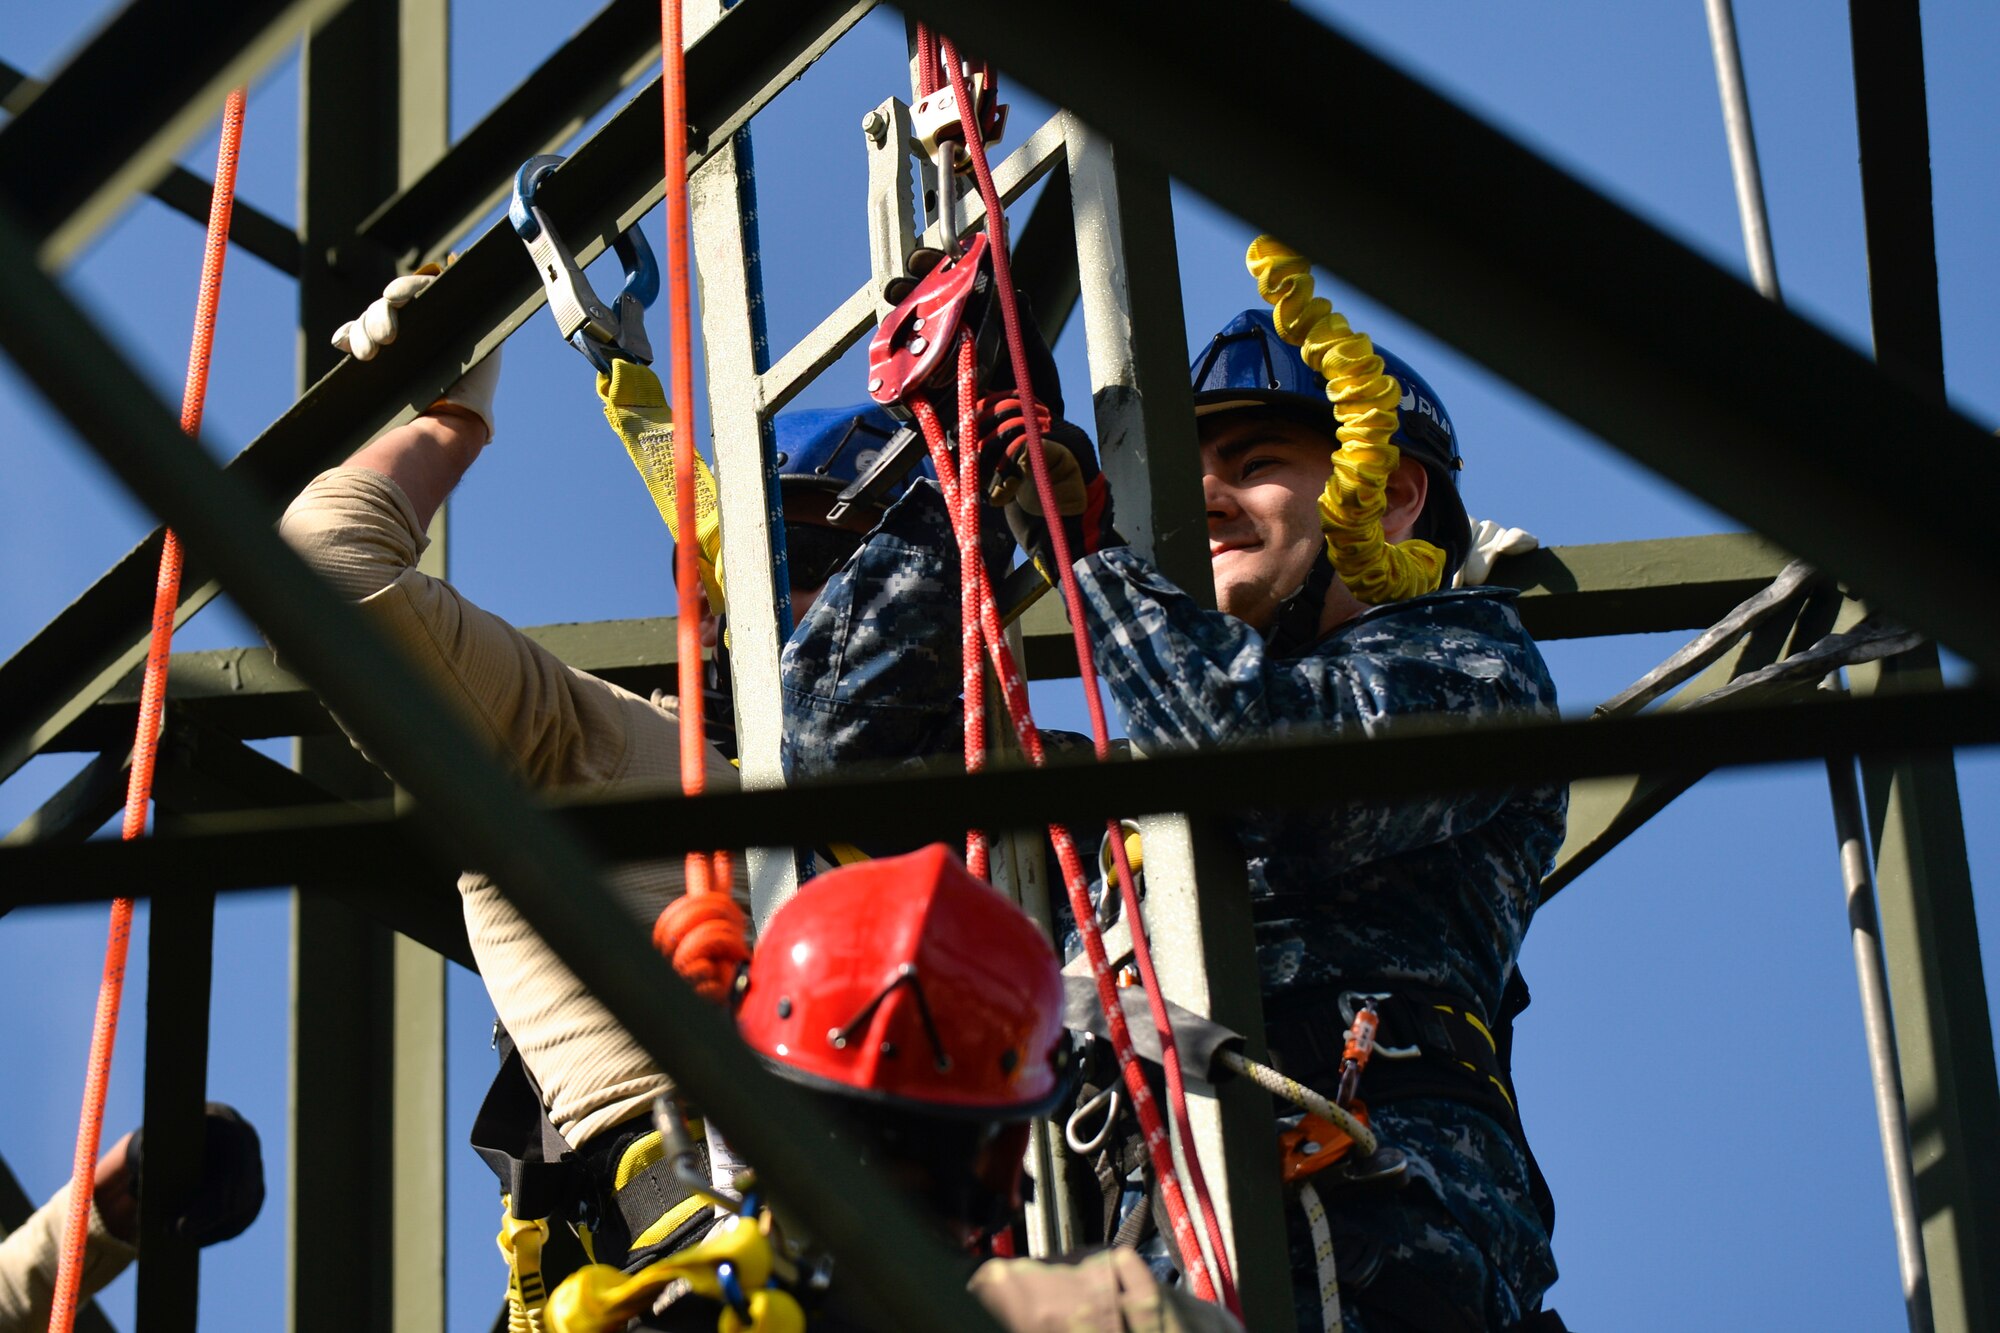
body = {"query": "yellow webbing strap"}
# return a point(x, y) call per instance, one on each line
point(645, 1152)
point(1364, 398)
point(521, 1241)
point(600, 1299)
point(636, 407)
point(846, 853)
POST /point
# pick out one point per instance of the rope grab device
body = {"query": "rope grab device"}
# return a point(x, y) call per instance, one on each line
point(940, 325)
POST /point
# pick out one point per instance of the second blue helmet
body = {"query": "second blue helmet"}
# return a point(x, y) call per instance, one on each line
point(1248, 367)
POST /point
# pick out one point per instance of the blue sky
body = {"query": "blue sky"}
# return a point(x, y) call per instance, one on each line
point(1726, 910)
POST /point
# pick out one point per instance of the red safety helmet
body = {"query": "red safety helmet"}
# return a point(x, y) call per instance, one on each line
point(905, 980)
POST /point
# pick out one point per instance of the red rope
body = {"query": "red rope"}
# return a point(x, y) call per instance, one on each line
point(706, 871)
point(145, 744)
point(1014, 691)
point(965, 522)
point(927, 61)
point(704, 932)
point(1086, 664)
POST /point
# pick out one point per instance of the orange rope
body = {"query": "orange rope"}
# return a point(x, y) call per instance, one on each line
point(706, 941)
point(146, 744)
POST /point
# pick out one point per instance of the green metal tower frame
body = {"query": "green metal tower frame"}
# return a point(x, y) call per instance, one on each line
point(1540, 285)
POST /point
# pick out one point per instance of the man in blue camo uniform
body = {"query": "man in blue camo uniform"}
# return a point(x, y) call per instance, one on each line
point(1423, 900)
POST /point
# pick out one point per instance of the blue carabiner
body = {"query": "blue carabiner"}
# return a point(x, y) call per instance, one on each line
point(603, 333)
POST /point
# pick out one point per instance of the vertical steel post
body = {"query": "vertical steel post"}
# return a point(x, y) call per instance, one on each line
point(892, 200)
point(1197, 902)
point(1930, 931)
point(723, 203)
point(180, 949)
point(1891, 1116)
point(367, 1196)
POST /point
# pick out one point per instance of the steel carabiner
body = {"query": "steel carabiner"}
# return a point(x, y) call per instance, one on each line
point(603, 333)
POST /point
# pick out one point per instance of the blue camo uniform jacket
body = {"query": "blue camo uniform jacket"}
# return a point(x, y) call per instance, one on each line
point(1437, 891)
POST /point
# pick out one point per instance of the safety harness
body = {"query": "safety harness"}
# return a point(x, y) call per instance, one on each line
point(1430, 1044)
point(616, 1201)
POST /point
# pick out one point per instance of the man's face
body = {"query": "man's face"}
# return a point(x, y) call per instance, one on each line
point(1261, 480)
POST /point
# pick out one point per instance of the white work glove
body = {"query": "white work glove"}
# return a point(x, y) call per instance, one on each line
point(364, 337)
point(1490, 541)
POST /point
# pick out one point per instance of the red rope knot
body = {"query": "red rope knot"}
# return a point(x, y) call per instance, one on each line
point(707, 936)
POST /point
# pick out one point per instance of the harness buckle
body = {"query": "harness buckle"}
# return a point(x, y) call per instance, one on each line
point(603, 333)
point(1350, 1004)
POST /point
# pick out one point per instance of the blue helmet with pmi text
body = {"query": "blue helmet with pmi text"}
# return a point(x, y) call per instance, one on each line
point(1247, 367)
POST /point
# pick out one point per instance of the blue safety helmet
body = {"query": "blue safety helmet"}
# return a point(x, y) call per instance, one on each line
point(1247, 367)
point(821, 451)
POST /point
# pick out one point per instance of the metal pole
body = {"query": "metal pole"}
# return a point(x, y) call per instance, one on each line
point(1930, 926)
point(1884, 1077)
point(1871, 973)
point(1742, 148)
point(1197, 901)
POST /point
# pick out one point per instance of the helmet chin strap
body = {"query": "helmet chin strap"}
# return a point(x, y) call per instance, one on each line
point(1297, 626)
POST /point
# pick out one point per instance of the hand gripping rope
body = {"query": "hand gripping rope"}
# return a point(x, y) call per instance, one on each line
point(981, 622)
point(146, 744)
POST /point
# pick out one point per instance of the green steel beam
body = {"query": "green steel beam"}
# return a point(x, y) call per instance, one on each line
point(646, 822)
point(1930, 929)
point(473, 807)
point(1566, 592)
point(250, 229)
point(1554, 286)
point(202, 771)
point(81, 805)
point(1603, 812)
point(180, 959)
point(422, 218)
point(1637, 587)
point(735, 68)
point(342, 1192)
point(73, 156)
point(368, 1020)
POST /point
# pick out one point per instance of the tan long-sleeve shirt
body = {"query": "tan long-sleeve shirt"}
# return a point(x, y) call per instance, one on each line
point(29, 1258)
point(562, 728)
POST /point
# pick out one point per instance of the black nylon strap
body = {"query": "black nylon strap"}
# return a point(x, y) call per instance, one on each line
point(512, 1135)
point(546, 1178)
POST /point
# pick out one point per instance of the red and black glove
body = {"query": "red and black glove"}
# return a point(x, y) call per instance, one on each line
point(1083, 498)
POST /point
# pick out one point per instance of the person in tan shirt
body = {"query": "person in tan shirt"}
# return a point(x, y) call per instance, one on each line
point(227, 1200)
point(362, 527)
